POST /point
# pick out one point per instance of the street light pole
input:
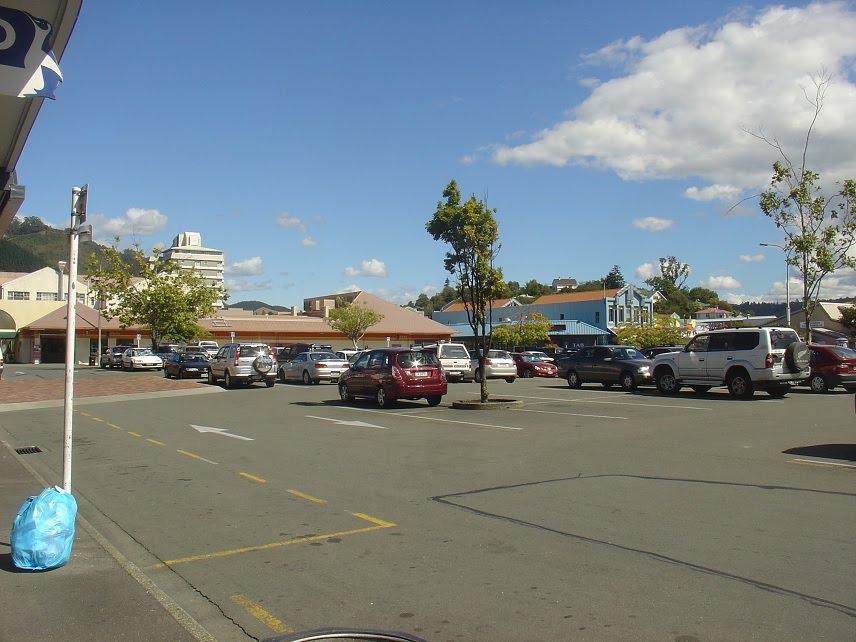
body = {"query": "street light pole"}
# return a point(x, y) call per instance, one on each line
point(787, 281)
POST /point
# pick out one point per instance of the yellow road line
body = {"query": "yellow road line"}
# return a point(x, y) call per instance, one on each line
point(274, 624)
point(134, 434)
point(114, 426)
point(99, 419)
point(156, 442)
point(195, 456)
point(378, 525)
point(310, 498)
point(253, 478)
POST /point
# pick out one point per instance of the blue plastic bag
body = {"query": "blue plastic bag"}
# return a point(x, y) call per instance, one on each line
point(43, 530)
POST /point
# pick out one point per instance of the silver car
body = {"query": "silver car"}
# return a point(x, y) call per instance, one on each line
point(313, 367)
point(243, 363)
point(498, 364)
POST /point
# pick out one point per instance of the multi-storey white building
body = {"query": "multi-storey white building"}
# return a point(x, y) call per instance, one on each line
point(188, 252)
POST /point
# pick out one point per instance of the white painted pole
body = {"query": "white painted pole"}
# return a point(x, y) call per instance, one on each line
point(70, 340)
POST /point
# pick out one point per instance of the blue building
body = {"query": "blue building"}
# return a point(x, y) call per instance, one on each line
point(576, 318)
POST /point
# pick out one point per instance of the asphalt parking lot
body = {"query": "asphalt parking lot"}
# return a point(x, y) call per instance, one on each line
point(586, 514)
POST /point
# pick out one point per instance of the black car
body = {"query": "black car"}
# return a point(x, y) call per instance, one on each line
point(185, 365)
point(606, 365)
point(653, 351)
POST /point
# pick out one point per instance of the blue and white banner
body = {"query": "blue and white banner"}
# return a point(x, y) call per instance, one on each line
point(27, 65)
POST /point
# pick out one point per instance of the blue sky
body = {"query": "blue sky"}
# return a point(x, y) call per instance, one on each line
point(311, 141)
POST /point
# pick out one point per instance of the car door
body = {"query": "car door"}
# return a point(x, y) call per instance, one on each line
point(720, 354)
point(359, 375)
point(694, 360)
point(600, 367)
point(218, 362)
point(294, 368)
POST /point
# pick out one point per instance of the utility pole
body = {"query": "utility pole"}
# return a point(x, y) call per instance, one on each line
point(79, 197)
point(787, 281)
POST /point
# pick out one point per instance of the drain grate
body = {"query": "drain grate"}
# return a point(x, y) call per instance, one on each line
point(29, 450)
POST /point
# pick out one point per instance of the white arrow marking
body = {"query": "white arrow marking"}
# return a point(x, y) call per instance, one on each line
point(219, 431)
point(348, 423)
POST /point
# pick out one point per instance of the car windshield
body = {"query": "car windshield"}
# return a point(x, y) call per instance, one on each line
point(252, 351)
point(455, 352)
point(842, 352)
point(323, 356)
point(191, 357)
point(142, 352)
point(417, 359)
point(627, 353)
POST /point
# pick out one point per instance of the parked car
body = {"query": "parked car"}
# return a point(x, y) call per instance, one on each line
point(243, 363)
point(606, 365)
point(313, 367)
point(653, 351)
point(112, 357)
point(347, 353)
point(141, 359)
point(185, 365)
point(743, 359)
point(831, 366)
point(1, 365)
point(454, 358)
point(287, 353)
point(529, 366)
point(498, 364)
point(540, 354)
point(202, 351)
point(387, 374)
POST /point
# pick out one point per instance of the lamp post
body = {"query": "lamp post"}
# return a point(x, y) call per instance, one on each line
point(787, 280)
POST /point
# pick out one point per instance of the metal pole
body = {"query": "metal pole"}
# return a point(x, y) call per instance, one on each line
point(70, 340)
point(787, 291)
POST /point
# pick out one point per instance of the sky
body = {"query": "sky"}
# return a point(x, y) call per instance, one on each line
point(311, 141)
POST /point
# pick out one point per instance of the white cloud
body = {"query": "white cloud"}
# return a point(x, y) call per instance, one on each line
point(726, 193)
point(287, 220)
point(137, 222)
point(372, 267)
point(309, 242)
point(646, 271)
point(249, 267)
point(245, 285)
point(752, 258)
point(652, 223)
point(721, 283)
point(656, 119)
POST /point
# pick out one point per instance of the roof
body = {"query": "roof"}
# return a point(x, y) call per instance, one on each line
point(557, 328)
point(571, 297)
point(458, 306)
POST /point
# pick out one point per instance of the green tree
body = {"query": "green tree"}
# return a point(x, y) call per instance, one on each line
point(819, 230)
point(167, 299)
point(848, 318)
point(352, 320)
point(470, 230)
point(535, 288)
point(530, 330)
point(614, 279)
point(643, 337)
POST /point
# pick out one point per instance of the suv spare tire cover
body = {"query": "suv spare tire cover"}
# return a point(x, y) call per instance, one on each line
point(263, 363)
point(797, 356)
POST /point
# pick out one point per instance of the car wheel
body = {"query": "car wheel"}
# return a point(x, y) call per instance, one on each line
point(280, 374)
point(797, 356)
point(777, 392)
point(103, 366)
point(477, 376)
point(434, 401)
point(381, 398)
point(262, 363)
point(628, 381)
point(306, 378)
point(701, 389)
point(165, 373)
point(227, 380)
point(344, 393)
point(666, 382)
point(818, 383)
point(740, 385)
point(510, 379)
point(574, 380)
point(270, 381)
point(211, 379)
point(527, 374)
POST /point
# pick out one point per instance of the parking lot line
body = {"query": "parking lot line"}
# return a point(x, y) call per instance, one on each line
point(310, 498)
point(252, 478)
point(386, 413)
point(195, 456)
point(823, 464)
point(635, 404)
point(273, 623)
point(567, 414)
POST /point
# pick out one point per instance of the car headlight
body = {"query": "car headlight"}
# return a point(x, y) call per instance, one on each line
point(645, 369)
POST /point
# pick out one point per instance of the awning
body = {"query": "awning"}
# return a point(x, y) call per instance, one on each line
point(8, 334)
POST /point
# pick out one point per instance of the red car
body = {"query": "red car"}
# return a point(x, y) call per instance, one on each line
point(832, 366)
point(532, 365)
point(387, 374)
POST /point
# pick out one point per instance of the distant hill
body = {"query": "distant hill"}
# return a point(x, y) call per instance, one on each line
point(30, 245)
point(255, 305)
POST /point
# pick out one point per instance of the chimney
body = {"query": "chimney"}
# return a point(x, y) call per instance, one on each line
point(60, 291)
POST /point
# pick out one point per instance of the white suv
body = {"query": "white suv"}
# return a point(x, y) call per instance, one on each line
point(454, 358)
point(243, 363)
point(744, 359)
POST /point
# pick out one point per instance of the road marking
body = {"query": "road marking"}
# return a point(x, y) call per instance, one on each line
point(195, 456)
point(310, 498)
point(274, 624)
point(615, 403)
point(253, 478)
point(345, 422)
point(377, 524)
point(219, 431)
point(134, 434)
point(114, 426)
point(567, 414)
point(448, 421)
point(822, 464)
point(156, 442)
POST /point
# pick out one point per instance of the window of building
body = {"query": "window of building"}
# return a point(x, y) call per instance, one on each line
point(18, 296)
point(562, 317)
point(597, 316)
point(46, 296)
point(81, 298)
point(611, 314)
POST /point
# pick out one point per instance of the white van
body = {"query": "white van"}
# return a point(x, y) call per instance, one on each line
point(455, 360)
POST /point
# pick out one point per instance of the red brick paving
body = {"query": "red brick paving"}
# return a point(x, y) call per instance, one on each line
point(29, 389)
